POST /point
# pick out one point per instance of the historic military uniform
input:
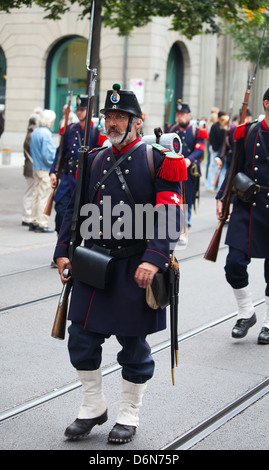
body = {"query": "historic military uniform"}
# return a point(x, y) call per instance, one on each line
point(248, 230)
point(121, 309)
point(193, 147)
point(73, 140)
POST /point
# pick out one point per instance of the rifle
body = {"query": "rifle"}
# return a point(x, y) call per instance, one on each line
point(58, 330)
point(59, 164)
point(169, 102)
point(213, 247)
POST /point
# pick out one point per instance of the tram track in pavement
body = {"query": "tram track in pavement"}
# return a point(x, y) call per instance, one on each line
point(218, 419)
point(180, 441)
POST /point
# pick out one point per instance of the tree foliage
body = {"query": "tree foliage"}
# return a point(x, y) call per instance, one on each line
point(243, 19)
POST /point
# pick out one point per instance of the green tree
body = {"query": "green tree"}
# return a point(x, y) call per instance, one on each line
point(242, 19)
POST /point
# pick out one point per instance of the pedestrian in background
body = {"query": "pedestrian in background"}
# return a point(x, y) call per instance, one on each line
point(28, 172)
point(42, 150)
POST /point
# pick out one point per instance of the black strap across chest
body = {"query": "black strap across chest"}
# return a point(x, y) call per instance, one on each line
point(116, 167)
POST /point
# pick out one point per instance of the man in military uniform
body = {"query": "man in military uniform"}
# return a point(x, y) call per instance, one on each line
point(193, 147)
point(73, 141)
point(248, 230)
point(121, 309)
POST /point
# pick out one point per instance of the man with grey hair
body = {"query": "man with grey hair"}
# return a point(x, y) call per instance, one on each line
point(42, 150)
point(124, 175)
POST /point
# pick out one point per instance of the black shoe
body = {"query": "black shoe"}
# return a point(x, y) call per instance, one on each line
point(242, 326)
point(25, 224)
point(43, 229)
point(82, 427)
point(121, 433)
point(32, 227)
point(263, 337)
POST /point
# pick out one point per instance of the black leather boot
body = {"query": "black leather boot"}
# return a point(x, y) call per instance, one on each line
point(82, 427)
point(121, 434)
point(242, 326)
point(263, 337)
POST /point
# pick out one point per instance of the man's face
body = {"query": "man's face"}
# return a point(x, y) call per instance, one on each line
point(81, 113)
point(183, 119)
point(116, 125)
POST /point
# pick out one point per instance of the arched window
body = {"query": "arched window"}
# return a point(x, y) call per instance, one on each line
point(66, 71)
point(174, 81)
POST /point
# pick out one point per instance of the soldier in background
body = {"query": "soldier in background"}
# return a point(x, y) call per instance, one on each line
point(74, 139)
point(248, 230)
point(193, 147)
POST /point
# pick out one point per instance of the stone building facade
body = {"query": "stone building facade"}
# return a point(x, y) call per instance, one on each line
point(36, 57)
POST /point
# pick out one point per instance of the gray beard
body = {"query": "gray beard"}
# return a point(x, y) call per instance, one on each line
point(117, 140)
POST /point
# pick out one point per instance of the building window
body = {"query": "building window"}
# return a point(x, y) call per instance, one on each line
point(66, 71)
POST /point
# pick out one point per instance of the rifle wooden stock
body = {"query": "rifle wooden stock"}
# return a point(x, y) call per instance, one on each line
point(213, 247)
point(48, 208)
point(59, 326)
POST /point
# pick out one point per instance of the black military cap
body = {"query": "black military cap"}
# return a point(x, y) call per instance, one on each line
point(121, 100)
point(183, 107)
point(82, 101)
point(266, 95)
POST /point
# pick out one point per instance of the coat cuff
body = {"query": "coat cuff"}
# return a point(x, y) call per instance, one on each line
point(156, 258)
point(61, 251)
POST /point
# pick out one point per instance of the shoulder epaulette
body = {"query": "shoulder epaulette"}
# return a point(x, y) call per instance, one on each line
point(202, 133)
point(173, 167)
point(240, 130)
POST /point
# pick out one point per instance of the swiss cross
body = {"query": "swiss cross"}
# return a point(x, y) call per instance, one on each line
point(175, 198)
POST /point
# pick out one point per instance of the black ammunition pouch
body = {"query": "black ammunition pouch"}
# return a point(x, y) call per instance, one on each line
point(94, 266)
point(244, 187)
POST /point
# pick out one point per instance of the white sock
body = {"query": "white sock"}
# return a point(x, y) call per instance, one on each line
point(265, 322)
point(244, 302)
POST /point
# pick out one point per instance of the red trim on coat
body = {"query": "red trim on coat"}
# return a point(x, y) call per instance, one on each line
point(89, 309)
point(158, 253)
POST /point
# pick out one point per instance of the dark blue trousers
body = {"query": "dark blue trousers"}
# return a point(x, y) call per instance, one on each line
point(60, 208)
point(85, 351)
point(236, 269)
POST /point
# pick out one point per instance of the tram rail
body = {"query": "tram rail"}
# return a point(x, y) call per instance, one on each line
point(211, 424)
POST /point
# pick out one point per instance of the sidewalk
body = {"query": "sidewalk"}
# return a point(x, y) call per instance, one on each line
point(16, 159)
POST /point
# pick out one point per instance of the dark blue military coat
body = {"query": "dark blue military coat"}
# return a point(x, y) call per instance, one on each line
point(73, 141)
point(193, 147)
point(248, 228)
point(122, 308)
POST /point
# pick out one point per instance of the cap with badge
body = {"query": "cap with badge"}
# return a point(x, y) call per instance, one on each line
point(182, 107)
point(82, 101)
point(121, 100)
